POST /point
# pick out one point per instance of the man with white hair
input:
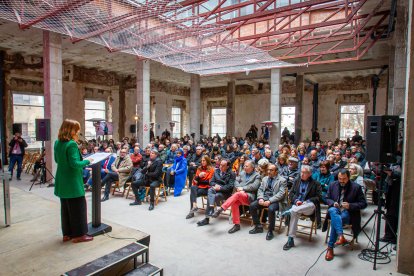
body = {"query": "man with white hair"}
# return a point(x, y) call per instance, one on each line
point(246, 186)
point(305, 196)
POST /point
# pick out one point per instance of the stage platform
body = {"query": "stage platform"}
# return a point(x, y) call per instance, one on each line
point(33, 245)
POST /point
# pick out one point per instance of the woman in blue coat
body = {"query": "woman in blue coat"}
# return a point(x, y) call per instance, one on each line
point(179, 170)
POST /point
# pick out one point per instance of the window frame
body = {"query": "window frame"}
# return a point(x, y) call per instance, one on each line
point(281, 118)
point(180, 127)
point(340, 118)
point(31, 140)
point(211, 121)
point(85, 109)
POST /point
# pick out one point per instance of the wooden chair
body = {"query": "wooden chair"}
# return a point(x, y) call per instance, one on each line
point(157, 192)
point(303, 227)
point(353, 240)
point(278, 220)
point(116, 187)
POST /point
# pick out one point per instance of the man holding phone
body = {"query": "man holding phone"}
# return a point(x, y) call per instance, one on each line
point(17, 145)
point(345, 199)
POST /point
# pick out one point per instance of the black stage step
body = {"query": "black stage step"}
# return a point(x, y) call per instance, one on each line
point(146, 270)
point(107, 262)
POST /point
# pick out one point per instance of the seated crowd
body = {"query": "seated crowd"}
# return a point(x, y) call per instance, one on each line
point(245, 176)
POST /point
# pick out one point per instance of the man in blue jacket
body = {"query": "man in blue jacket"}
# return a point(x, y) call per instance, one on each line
point(345, 200)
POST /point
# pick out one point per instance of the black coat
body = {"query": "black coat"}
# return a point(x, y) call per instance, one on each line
point(153, 172)
point(197, 161)
point(313, 193)
point(226, 182)
point(356, 199)
point(23, 145)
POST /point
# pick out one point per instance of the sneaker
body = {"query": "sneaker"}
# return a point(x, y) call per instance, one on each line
point(135, 203)
point(18, 178)
point(190, 215)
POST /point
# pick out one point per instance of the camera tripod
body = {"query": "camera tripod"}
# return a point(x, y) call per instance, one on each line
point(373, 250)
point(43, 172)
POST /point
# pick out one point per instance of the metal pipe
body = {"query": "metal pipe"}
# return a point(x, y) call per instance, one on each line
point(315, 106)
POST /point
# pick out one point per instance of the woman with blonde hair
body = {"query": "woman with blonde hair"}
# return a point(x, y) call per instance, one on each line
point(357, 174)
point(69, 183)
point(282, 163)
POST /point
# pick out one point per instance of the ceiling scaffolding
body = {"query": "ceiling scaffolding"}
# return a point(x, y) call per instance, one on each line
point(215, 36)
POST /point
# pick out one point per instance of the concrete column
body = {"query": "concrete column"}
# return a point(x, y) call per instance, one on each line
point(300, 85)
point(195, 105)
point(405, 245)
point(230, 118)
point(143, 101)
point(400, 62)
point(52, 79)
point(121, 108)
point(275, 100)
point(161, 112)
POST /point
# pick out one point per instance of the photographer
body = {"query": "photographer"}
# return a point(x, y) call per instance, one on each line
point(17, 145)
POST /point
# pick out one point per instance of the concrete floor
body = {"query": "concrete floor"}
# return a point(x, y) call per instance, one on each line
point(182, 248)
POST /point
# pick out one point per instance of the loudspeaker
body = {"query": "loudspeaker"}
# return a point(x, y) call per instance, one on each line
point(17, 128)
point(42, 129)
point(132, 128)
point(382, 138)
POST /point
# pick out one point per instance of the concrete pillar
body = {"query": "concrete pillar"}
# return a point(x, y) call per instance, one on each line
point(195, 105)
point(230, 118)
point(121, 108)
point(275, 100)
point(161, 112)
point(400, 62)
point(405, 245)
point(52, 79)
point(143, 101)
point(300, 85)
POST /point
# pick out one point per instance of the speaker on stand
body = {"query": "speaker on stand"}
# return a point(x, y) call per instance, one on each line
point(42, 134)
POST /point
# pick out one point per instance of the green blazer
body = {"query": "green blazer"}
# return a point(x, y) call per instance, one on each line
point(69, 180)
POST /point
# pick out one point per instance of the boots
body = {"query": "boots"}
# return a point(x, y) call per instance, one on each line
point(329, 254)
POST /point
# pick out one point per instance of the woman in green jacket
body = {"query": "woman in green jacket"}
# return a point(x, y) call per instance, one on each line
point(69, 183)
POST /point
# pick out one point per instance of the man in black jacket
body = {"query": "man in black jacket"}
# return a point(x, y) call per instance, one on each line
point(304, 196)
point(153, 175)
point(222, 184)
point(194, 162)
point(16, 153)
point(345, 199)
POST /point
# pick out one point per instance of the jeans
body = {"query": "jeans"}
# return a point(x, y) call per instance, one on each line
point(13, 159)
point(338, 219)
point(255, 207)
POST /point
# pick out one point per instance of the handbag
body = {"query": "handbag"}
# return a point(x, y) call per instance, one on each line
point(138, 176)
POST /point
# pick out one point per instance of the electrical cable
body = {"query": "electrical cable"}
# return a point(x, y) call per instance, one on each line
point(314, 262)
point(117, 238)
